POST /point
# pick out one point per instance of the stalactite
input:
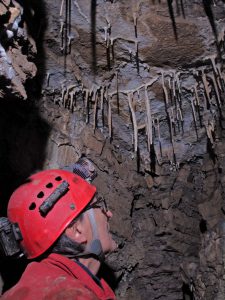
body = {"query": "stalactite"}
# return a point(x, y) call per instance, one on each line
point(149, 119)
point(66, 96)
point(177, 91)
point(170, 6)
point(138, 93)
point(206, 88)
point(61, 8)
point(221, 80)
point(180, 117)
point(210, 128)
point(108, 57)
point(134, 121)
point(62, 34)
point(63, 95)
point(112, 49)
point(102, 104)
point(156, 121)
point(126, 92)
point(117, 92)
point(223, 77)
point(215, 77)
point(173, 121)
point(177, 100)
point(71, 97)
point(212, 77)
point(197, 104)
point(108, 42)
point(61, 26)
point(108, 28)
point(218, 98)
point(205, 101)
point(137, 56)
point(65, 27)
point(170, 119)
point(69, 39)
point(95, 97)
point(165, 90)
point(76, 92)
point(218, 83)
point(178, 82)
point(130, 53)
point(105, 34)
point(110, 117)
point(221, 39)
point(180, 114)
point(194, 116)
point(135, 23)
point(170, 90)
point(193, 109)
point(87, 93)
point(213, 62)
point(174, 91)
point(47, 79)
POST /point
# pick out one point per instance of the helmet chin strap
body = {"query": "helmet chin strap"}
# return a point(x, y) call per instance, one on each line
point(94, 247)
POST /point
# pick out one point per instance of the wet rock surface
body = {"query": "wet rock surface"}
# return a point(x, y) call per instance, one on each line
point(138, 88)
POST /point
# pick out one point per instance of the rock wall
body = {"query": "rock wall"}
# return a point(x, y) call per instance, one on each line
point(17, 51)
point(138, 87)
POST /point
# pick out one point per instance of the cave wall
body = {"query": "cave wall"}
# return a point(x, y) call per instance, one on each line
point(138, 87)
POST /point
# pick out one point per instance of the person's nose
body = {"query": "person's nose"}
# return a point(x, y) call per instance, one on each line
point(109, 214)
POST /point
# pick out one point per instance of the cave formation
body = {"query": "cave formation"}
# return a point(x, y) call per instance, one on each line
point(138, 87)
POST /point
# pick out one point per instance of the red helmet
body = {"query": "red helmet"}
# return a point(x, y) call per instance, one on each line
point(45, 205)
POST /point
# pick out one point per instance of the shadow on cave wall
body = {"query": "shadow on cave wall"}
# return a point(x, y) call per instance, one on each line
point(23, 133)
point(23, 136)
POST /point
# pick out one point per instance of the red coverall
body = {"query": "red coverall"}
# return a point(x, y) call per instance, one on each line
point(57, 278)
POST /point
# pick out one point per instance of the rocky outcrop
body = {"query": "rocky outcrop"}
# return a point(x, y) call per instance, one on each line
point(17, 51)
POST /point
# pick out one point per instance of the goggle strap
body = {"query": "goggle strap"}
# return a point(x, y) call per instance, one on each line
point(95, 246)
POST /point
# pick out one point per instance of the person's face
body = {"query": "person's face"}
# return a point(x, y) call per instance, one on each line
point(102, 217)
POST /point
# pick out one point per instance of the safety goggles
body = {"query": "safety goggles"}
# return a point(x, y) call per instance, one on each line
point(99, 203)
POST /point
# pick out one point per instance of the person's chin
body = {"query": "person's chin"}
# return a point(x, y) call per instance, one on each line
point(114, 245)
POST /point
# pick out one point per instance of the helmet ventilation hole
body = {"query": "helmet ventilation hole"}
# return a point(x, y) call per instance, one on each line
point(40, 195)
point(32, 206)
point(72, 206)
point(49, 185)
point(58, 178)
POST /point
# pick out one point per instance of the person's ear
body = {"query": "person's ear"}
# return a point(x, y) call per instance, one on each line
point(77, 232)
